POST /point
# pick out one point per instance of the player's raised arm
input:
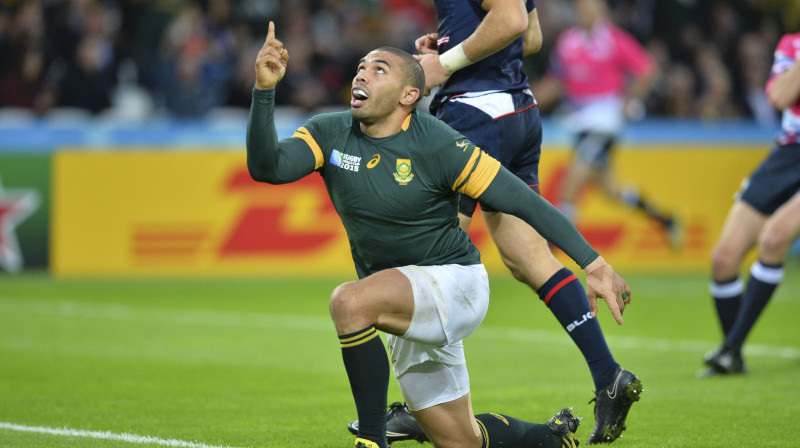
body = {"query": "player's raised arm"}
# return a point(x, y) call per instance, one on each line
point(269, 160)
point(508, 194)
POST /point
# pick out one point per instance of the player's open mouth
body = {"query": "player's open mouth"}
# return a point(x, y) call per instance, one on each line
point(359, 96)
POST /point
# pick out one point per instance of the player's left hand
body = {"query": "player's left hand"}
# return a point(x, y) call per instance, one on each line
point(602, 281)
point(435, 74)
point(427, 44)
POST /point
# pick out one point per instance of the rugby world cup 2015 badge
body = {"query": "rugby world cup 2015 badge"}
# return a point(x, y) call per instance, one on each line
point(403, 175)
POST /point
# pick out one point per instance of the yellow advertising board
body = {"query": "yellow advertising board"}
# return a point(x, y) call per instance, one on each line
point(697, 184)
point(162, 212)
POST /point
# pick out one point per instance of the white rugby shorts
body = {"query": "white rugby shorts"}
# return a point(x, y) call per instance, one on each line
point(450, 302)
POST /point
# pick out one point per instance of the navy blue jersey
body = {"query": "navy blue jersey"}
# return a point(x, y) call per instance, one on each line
point(458, 19)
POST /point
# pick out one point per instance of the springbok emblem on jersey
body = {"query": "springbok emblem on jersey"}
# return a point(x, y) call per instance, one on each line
point(403, 175)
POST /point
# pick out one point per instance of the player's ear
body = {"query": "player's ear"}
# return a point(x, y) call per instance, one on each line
point(410, 95)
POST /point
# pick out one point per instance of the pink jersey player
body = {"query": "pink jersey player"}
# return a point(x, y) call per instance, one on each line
point(601, 71)
point(593, 67)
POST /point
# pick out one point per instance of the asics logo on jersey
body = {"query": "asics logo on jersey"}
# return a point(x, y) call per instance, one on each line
point(575, 324)
point(462, 145)
point(403, 175)
point(345, 161)
point(373, 161)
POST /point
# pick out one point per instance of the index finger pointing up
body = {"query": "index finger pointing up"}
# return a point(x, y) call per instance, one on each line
point(271, 30)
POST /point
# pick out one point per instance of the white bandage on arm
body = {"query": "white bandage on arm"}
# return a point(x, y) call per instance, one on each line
point(454, 59)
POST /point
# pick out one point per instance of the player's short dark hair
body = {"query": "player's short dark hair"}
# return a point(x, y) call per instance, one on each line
point(413, 75)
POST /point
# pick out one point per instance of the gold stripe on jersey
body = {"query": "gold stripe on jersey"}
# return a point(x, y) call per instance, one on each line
point(467, 169)
point(407, 122)
point(303, 133)
point(478, 174)
point(360, 338)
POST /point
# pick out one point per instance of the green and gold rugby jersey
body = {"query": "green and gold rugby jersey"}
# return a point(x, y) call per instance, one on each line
point(398, 196)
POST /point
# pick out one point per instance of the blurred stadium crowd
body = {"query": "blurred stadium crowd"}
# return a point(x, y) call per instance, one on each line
point(185, 58)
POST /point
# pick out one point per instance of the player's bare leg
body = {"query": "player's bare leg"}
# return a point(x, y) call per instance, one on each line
point(576, 177)
point(582, 173)
point(739, 234)
point(779, 233)
point(523, 251)
point(453, 425)
point(606, 178)
point(530, 260)
point(384, 301)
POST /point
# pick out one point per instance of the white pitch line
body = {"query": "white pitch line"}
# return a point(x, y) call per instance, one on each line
point(631, 342)
point(106, 435)
point(67, 308)
point(217, 318)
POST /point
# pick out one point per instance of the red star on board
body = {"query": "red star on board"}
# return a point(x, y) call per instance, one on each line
point(15, 206)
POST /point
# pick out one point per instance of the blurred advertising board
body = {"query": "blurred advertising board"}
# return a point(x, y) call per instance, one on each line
point(696, 183)
point(161, 212)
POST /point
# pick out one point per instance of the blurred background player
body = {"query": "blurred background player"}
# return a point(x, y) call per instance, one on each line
point(604, 74)
point(476, 60)
point(767, 214)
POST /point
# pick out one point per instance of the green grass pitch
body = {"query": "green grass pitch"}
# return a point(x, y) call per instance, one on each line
point(250, 362)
